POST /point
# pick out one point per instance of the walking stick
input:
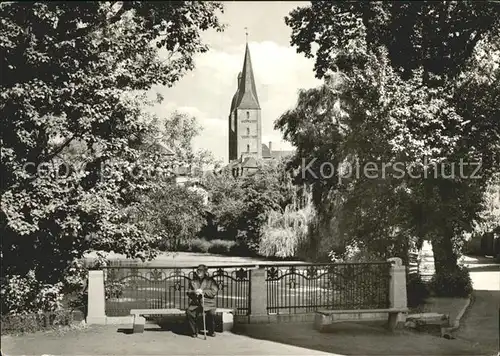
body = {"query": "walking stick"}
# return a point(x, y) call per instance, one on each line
point(204, 322)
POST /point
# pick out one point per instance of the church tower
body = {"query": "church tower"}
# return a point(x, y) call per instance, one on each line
point(245, 136)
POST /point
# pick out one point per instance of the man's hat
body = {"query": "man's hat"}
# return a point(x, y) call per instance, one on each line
point(202, 268)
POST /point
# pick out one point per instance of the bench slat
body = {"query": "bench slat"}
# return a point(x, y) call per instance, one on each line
point(362, 311)
point(155, 311)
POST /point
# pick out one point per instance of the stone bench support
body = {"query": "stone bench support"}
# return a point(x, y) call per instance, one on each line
point(324, 318)
point(227, 316)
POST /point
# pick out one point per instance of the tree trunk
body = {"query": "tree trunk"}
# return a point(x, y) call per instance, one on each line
point(445, 259)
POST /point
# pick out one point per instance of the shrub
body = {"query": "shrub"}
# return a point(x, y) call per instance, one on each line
point(242, 250)
point(35, 321)
point(284, 231)
point(218, 246)
point(352, 253)
point(198, 245)
point(25, 294)
point(417, 290)
point(452, 283)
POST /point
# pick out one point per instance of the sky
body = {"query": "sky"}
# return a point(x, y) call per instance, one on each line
point(279, 71)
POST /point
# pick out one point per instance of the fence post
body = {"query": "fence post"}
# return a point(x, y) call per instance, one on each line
point(96, 301)
point(397, 287)
point(258, 295)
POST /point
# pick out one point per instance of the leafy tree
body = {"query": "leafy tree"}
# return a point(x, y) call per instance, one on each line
point(394, 94)
point(73, 82)
point(439, 37)
point(489, 217)
point(226, 202)
point(174, 215)
point(240, 205)
point(178, 132)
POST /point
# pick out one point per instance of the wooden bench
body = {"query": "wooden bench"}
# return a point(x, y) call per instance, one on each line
point(139, 314)
point(324, 318)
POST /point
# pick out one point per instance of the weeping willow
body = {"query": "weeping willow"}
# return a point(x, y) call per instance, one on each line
point(286, 230)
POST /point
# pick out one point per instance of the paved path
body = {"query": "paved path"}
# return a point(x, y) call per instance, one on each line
point(107, 340)
point(480, 324)
point(362, 339)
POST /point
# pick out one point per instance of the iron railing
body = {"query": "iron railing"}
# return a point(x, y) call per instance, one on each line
point(132, 287)
point(295, 289)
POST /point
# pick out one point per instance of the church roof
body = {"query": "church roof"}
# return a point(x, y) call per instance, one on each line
point(234, 102)
point(246, 95)
point(249, 162)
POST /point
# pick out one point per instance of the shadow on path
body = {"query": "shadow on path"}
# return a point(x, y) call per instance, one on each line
point(175, 328)
point(359, 339)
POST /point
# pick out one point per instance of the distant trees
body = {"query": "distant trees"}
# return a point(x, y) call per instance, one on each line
point(240, 206)
point(413, 83)
point(73, 82)
point(173, 215)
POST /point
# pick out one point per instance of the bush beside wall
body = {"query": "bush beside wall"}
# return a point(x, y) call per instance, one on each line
point(453, 283)
point(28, 323)
point(417, 291)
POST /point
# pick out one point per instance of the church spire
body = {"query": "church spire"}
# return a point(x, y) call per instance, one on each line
point(247, 98)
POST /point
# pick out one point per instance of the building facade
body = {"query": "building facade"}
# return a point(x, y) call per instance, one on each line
point(245, 125)
point(246, 149)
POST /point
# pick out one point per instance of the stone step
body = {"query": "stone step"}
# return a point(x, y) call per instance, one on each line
point(421, 319)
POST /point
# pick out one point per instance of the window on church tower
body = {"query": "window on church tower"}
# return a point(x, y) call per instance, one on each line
point(248, 148)
point(248, 115)
point(248, 131)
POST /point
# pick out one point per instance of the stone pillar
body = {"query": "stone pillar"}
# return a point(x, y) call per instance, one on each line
point(258, 295)
point(397, 290)
point(96, 300)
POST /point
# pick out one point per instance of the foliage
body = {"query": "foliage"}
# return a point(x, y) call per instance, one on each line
point(179, 131)
point(226, 202)
point(489, 216)
point(285, 232)
point(25, 294)
point(73, 82)
point(217, 246)
point(352, 253)
point(196, 245)
point(114, 289)
point(222, 247)
point(389, 99)
point(173, 214)
point(439, 37)
point(417, 290)
point(452, 283)
point(29, 323)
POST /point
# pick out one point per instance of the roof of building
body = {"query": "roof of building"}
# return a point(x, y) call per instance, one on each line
point(246, 95)
point(249, 162)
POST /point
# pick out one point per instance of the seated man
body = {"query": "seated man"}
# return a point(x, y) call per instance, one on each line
point(204, 285)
